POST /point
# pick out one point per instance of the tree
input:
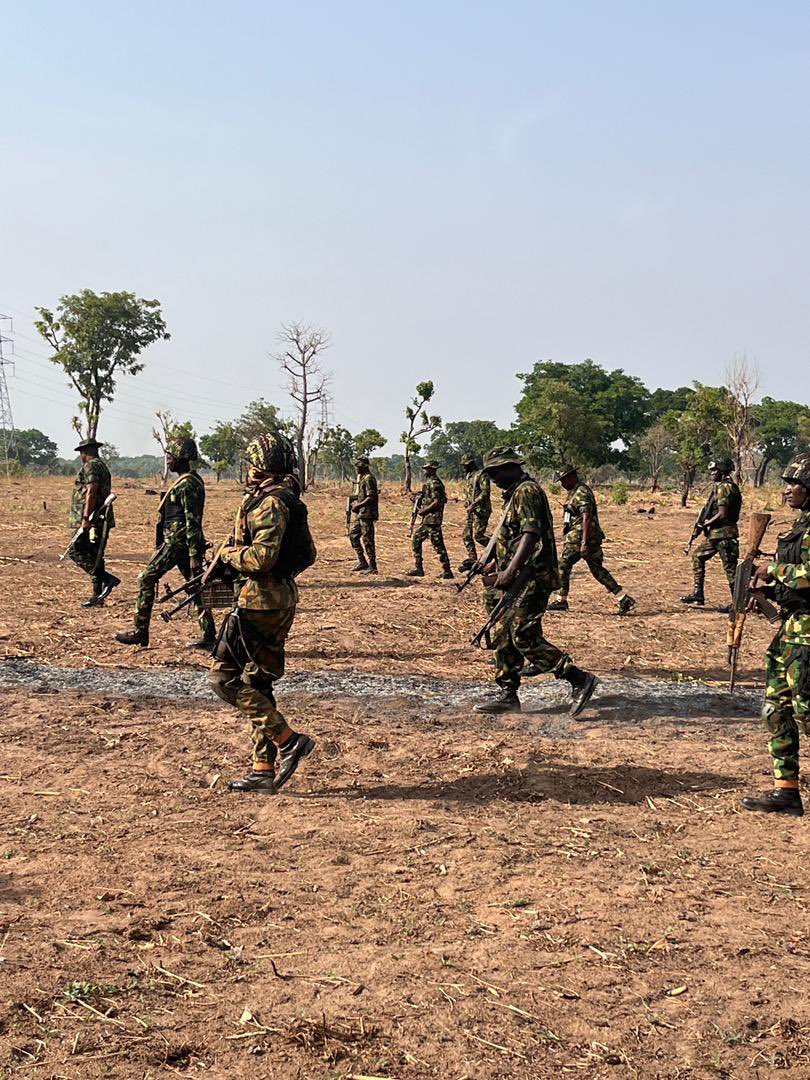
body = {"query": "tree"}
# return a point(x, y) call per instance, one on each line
point(462, 437)
point(742, 381)
point(258, 417)
point(700, 431)
point(777, 433)
point(222, 446)
point(664, 401)
point(338, 451)
point(96, 337)
point(33, 450)
point(368, 441)
point(300, 358)
point(655, 446)
point(556, 424)
point(419, 424)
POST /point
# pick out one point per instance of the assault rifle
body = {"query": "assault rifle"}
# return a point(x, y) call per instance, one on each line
point(744, 599)
point(504, 605)
point(486, 555)
point(194, 586)
point(417, 502)
point(100, 511)
point(350, 501)
point(698, 528)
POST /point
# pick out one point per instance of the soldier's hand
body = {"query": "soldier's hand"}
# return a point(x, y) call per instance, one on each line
point(505, 579)
point(761, 576)
point(583, 550)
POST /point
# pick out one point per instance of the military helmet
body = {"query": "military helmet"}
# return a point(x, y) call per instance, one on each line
point(184, 449)
point(723, 465)
point(501, 455)
point(431, 465)
point(564, 470)
point(271, 452)
point(798, 471)
point(469, 459)
point(361, 459)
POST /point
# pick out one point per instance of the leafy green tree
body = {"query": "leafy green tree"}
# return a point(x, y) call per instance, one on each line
point(33, 450)
point(222, 446)
point(777, 435)
point(258, 417)
point(462, 437)
point(665, 401)
point(419, 424)
point(338, 451)
point(556, 423)
point(700, 431)
point(97, 337)
point(368, 441)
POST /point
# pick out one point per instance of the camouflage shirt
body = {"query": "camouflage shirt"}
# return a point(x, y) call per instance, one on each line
point(366, 487)
point(433, 491)
point(796, 576)
point(726, 495)
point(265, 524)
point(581, 501)
point(93, 471)
point(529, 512)
point(477, 487)
point(182, 513)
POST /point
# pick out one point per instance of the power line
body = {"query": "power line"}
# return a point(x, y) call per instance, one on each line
point(6, 419)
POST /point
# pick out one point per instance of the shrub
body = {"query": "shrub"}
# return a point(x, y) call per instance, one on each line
point(620, 492)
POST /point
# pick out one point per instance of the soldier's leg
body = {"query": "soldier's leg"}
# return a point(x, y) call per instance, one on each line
point(83, 553)
point(480, 530)
point(706, 549)
point(437, 540)
point(355, 531)
point(507, 658)
point(420, 534)
point(468, 540)
point(729, 551)
point(594, 560)
point(162, 561)
point(369, 542)
point(526, 629)
point(569, 557)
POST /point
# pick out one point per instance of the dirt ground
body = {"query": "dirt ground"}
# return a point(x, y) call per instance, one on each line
point(433, 896)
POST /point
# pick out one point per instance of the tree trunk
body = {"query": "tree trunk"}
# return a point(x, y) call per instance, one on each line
point(654, 486)
point(408, 474)
point(688, 481)
point(762, 469)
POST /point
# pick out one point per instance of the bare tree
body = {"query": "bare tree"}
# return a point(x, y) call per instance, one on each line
point(742, 383)
point(656, 445)
point(299, 358)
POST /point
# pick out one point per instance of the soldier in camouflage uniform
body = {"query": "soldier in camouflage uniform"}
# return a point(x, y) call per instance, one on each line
point(526, 538)
point(718, 523)
point(180, 543)
point(582, 539)
point(365, 505)
point(92, 486)
point(433, 500)
point(786, 709)
point(271, 544)
point(478, 505)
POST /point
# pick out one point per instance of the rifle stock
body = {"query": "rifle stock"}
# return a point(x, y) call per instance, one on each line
point(757, 526)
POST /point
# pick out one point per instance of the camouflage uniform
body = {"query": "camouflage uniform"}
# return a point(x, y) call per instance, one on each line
point(518, 638)
point(180, 539)
point(249, 656)
point(581, 501)
point(430, 526)
point(477, 486)
point(361, 530)
point(722, 539)
point(87, 552)
point(786, 711)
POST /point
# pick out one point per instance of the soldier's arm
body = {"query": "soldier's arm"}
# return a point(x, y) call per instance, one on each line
point(259, 557)
point(530, 516)
point(367, 496)
point(793, 575)
point(723, 492)
point(90, 495)
point(192, 510)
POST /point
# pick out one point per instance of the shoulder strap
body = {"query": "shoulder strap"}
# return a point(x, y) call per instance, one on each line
point(179, 480)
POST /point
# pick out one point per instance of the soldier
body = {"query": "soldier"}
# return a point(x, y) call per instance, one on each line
point(786, 709)
point(430, 509)
point(478, 505)
point(365, 505)
point(271, 544)
point(92, 486)
point(525, 538)
point(582, 539)
point(718, 523)
point(179, 543)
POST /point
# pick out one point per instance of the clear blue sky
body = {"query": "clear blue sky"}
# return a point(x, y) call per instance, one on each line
point(453, 189)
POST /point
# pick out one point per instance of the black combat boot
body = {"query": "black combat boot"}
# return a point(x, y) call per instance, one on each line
point(290, 755)
point(361, 565)
point(133, 637)
point(466, 566)
point(558, 605)
point(416, 571)
point(583, 684)
point(110, 582)
point(506, 701)
point(695, 599)
point(203, 643)
point(263, 783)
point(779, 801)
point(93, 600)
point(446, 574)
point(627, 603)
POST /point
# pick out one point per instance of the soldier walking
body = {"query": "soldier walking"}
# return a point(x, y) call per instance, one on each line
point(786, 709)
point(478, 505)
point(179, 543)
point(526, 538)
point(271, 544)
point(583, 539)
point(718, 521)
point(430, 508)
point(92, 486)
point(365, 505)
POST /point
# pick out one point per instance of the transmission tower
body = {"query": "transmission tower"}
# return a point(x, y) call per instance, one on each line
point(6, 420)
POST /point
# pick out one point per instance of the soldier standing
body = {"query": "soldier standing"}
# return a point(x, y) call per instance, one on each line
point(718, 523)
point(271, 544)
point(526, 538)
point(478, 504)
point(92, 486)
point(179, 543)
point(786, 709)
point(365, 505)
point(430, 508)
point(582, 539)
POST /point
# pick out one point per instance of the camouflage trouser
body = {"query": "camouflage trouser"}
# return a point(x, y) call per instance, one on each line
point(475, 532)
point(786, 709)
point(248, 658)
point(361, 534)
point(727, 549)
point(518, 638)
point(88, 554)
point(593, 560)
point(168, 556)
point(434, 534)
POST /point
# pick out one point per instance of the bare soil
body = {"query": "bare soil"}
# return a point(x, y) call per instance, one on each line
point(435, 895)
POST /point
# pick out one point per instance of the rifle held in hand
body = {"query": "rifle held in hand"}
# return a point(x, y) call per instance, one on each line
point(743, 598)
point(503, 606)
point(100, 513)
point(417, 502)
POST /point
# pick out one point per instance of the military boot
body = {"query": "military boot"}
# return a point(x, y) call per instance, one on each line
point(558, 605)
point(290, 755)
point(506, 701)
point(779, 801)
point(203, 643)
point(361, 565)
point(416, 571)
point(93, 600)
point(263, 783)
point(583, 684)
point(446, 574)
point(110, 582)
point(133, 637)
point(627, 603)
point(466, 566)
point(694, 599)
point(370, 568)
